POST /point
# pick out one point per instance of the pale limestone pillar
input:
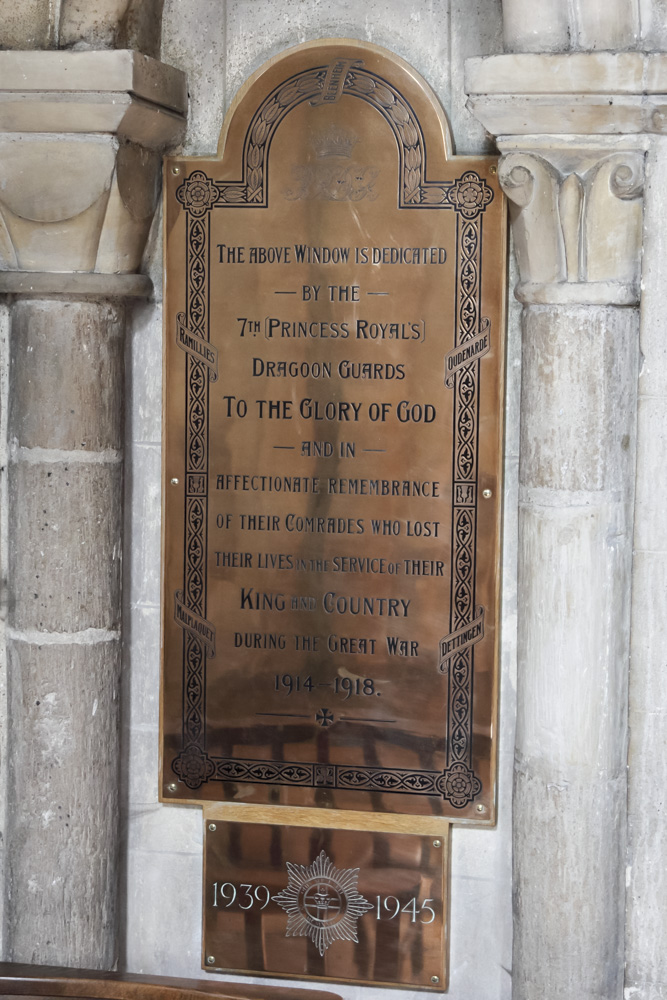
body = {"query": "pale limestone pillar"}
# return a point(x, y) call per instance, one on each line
point(558, 26)
point(576, 207)
point(65, 511)
point(90, 24)
point(646, 929)
point(80, 180)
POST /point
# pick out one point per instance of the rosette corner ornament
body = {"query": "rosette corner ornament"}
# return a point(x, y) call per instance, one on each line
point(193, 766)
point(470, 194)
point(198, 193)
point(459, 785)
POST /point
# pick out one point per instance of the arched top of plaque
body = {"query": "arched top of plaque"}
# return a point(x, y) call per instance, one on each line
point(332, 78)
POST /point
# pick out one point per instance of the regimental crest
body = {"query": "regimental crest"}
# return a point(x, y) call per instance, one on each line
point(332, 175)
point(334, 141)
point(322, 902)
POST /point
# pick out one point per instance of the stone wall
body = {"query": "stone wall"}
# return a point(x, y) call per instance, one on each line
point(219, 44)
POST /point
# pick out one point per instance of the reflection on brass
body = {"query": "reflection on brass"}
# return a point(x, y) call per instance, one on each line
point(334, 328)
point(336, 904)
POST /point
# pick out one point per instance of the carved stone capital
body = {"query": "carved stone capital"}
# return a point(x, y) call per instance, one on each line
point(81, 135)
point(573, 128)
point(577, 222)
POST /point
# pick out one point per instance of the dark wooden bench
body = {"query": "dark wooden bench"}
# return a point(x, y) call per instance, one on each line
point(45, 981)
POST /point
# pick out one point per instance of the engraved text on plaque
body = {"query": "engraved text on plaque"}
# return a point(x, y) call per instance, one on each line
point(334, 327)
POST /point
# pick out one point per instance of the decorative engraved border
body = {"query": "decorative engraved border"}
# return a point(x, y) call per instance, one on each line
point(463, 785)
point(409, 781)
point(468, 196)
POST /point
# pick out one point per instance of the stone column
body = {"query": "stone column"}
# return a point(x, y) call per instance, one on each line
point(576, 207)
point(555, 26)
point(646, 930)
point(80, 183)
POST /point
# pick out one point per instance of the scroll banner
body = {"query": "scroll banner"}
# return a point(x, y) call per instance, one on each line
point(463, 637)
point(193, 624)
point(469, 351)
point(199, 349)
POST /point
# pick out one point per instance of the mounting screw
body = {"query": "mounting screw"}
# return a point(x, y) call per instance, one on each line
point(493, 170)
point(435, 979)
point(437, 843)
point(479, 807)
point(176, 171)
point(210, 960)
point(174, 481)
point(172, 787)
point(212, 827)
point(487, 494)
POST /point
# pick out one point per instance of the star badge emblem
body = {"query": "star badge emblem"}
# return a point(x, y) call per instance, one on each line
point(322, 902)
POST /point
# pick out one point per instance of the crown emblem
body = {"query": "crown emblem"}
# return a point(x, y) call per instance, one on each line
point(334, 141)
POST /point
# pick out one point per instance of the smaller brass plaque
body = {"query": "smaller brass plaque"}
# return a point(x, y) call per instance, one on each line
point(344, 905)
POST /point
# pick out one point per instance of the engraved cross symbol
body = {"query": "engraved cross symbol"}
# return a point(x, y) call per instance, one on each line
point(324, 717)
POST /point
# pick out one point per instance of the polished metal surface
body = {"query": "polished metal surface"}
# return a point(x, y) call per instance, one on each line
point(343, 905)
point(334, 328)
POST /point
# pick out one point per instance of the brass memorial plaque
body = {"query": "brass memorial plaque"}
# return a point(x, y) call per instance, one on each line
point(325, 904)
point(334, 323)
